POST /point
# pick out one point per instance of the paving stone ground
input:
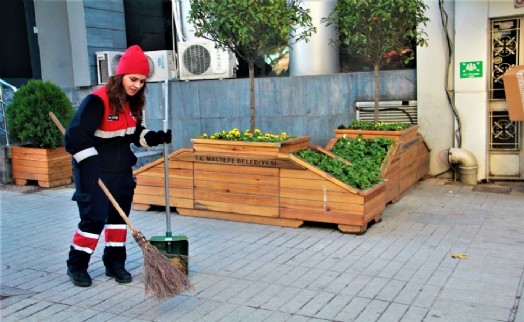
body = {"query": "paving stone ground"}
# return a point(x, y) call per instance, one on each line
point(401, 269)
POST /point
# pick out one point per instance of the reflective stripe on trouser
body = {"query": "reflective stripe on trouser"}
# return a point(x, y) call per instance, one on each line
point(85, 242)
point(115, 235)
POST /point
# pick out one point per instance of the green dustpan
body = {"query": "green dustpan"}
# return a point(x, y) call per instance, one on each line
point(176, 248)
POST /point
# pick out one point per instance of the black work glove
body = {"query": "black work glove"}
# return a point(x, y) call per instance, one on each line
point(167, 136)
point(155, 138)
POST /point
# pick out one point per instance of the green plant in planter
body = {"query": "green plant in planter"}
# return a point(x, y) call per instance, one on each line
point(377, 31)
point(28, 118)
point(379, 126)
point(366, 157)
point(247, 135)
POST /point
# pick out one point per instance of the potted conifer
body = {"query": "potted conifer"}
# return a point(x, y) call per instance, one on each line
point(40, 154)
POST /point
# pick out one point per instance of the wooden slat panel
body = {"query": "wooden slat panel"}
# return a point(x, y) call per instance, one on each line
point(54, 183)
point(42, 176)
point(240, 217)
point(244, 160)
point(320, 216)
point(145, 180)
point(39, 154)
point(374, 205)
point(228, 207)
point(236, 199)
point(250, 148)
point(42, 164)
point(236, 149)
point(173, 174)
point(423, 160)
point(236, 169)
point(299, 174)
point(230, 187)
point(238, 178)
point(161, 201)
point(309, 184)
point(320, 195)
point(319, 205)
point(159, 191)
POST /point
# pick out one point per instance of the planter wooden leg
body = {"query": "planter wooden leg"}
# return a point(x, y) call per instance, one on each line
point(141, 207)
point(353, 229)
point(20, 182)
point(54, 183)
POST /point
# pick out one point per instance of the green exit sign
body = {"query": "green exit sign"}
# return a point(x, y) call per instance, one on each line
point(471, 69)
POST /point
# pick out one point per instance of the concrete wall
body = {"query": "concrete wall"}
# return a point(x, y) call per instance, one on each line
point(433, 65)
point(300, 105)
point(468, 29)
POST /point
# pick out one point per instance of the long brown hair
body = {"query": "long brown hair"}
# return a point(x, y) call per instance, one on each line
point(117, 97)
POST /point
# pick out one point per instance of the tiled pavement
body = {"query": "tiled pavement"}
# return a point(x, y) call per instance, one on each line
point(401, 269)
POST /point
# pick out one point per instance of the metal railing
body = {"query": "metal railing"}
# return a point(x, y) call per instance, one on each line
point(3, 108)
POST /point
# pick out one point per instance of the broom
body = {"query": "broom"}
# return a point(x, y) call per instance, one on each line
point(162, 279)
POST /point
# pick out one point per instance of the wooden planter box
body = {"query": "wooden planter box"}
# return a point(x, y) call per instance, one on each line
point(406, 163)
point(50, 167)
point(264, 184)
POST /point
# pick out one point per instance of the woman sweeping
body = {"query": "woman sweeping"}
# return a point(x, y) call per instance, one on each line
point(107, 121)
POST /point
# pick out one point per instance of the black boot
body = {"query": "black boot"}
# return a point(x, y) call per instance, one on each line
point(120, 274)
point(77, 267)
point(114, 259)
point(79, 277)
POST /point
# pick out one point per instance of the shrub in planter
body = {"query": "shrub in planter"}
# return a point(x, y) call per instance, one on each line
point(41, 156)
point(28, 118)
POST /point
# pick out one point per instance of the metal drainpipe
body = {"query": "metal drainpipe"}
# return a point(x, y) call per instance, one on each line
point(467, 165)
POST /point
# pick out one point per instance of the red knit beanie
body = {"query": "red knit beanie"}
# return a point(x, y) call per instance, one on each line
point(133, 61)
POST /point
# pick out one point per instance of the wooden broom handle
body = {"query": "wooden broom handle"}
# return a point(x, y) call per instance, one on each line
point(116, 205)
point(57, 122)
point(100, 183)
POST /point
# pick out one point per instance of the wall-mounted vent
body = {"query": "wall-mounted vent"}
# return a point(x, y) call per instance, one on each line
point(389, 111)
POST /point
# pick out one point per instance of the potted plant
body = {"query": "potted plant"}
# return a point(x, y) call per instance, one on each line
point(378, 31)
point(251, 29)
point(40, 154)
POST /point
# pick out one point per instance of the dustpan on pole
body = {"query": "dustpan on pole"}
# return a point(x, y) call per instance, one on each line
point(176, 248)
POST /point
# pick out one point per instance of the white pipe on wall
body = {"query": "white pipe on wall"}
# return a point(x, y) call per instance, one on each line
point(467, 165)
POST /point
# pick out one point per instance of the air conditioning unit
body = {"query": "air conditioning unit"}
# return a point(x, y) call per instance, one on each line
point(201, 60)
point(162, 65)
point(106, 63)
point(388, 111)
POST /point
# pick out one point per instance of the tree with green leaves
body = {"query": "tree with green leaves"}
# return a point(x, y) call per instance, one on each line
point(251, 29)
point(377, 30)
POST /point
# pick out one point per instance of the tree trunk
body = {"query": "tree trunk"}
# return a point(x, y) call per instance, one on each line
point(252, 97)
point(376, 78)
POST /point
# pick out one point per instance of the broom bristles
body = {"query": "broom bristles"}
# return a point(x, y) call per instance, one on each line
point(162, 279)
